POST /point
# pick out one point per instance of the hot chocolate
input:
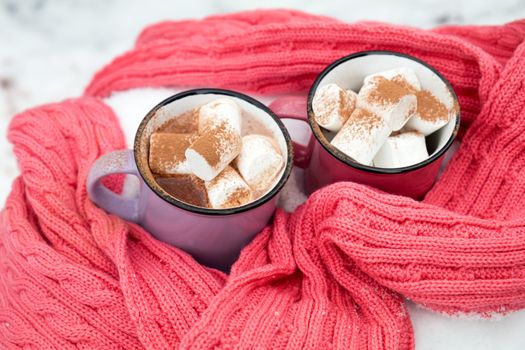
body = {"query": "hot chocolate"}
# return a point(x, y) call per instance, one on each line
point(210, 156)
point(386, 122)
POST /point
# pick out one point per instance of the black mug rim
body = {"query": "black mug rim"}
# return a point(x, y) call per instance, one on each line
point(159, 191)
point(342, 157)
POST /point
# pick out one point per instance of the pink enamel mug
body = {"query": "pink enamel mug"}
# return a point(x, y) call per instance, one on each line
point(325, 164)
point(214, 237)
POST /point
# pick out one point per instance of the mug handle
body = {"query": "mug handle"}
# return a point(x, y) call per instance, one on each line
point(116, 162)
point(294, 107)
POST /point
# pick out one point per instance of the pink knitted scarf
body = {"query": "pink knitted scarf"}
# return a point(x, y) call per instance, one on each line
point(333, 274)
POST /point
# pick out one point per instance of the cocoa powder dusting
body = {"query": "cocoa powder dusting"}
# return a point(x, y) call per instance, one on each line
point(399, 79)
point(430, 108)
point(327, 101)
point(214, 141)
point(235, 197)
point(346, 104)
point(365, 118)
point(185, 123)
point(166, 150)
point(240, 197)
point(361, 123)
point(268, 179)
point(387, 91)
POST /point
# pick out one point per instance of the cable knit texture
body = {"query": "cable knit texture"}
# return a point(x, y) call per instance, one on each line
point(334, 273)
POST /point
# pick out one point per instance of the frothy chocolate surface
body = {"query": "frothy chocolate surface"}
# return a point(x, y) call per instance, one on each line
point(186, 123)
point(187, 188)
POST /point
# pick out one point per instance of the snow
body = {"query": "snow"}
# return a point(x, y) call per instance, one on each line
point(51, 48)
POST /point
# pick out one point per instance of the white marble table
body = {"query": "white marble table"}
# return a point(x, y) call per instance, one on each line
point(50, 49)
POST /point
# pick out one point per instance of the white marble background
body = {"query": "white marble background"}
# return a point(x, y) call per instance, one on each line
point(49, 49)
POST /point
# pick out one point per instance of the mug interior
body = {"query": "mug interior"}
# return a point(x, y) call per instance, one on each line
point(178, 104)
point(349, 73)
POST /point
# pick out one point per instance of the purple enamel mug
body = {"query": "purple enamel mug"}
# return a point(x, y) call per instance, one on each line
point(214, 237)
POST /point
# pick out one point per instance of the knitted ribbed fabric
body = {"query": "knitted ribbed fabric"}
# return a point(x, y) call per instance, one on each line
point(332, 274)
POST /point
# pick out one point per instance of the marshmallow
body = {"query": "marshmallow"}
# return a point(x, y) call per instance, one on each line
point(332, 106)
point(402, 150)
point(228, 190)
point(219, 111)
point(404, 76)
point(187, 188)
point(393, 102)
point(362, 136)
point(166, 153)
point(259, 161)
point(213, 150)
point(431, 113)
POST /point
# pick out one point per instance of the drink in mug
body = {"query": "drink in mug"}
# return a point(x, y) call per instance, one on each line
point(211, 164)
point(379, 118)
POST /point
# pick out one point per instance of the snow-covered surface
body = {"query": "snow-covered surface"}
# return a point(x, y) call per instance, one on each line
point(50, 48)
